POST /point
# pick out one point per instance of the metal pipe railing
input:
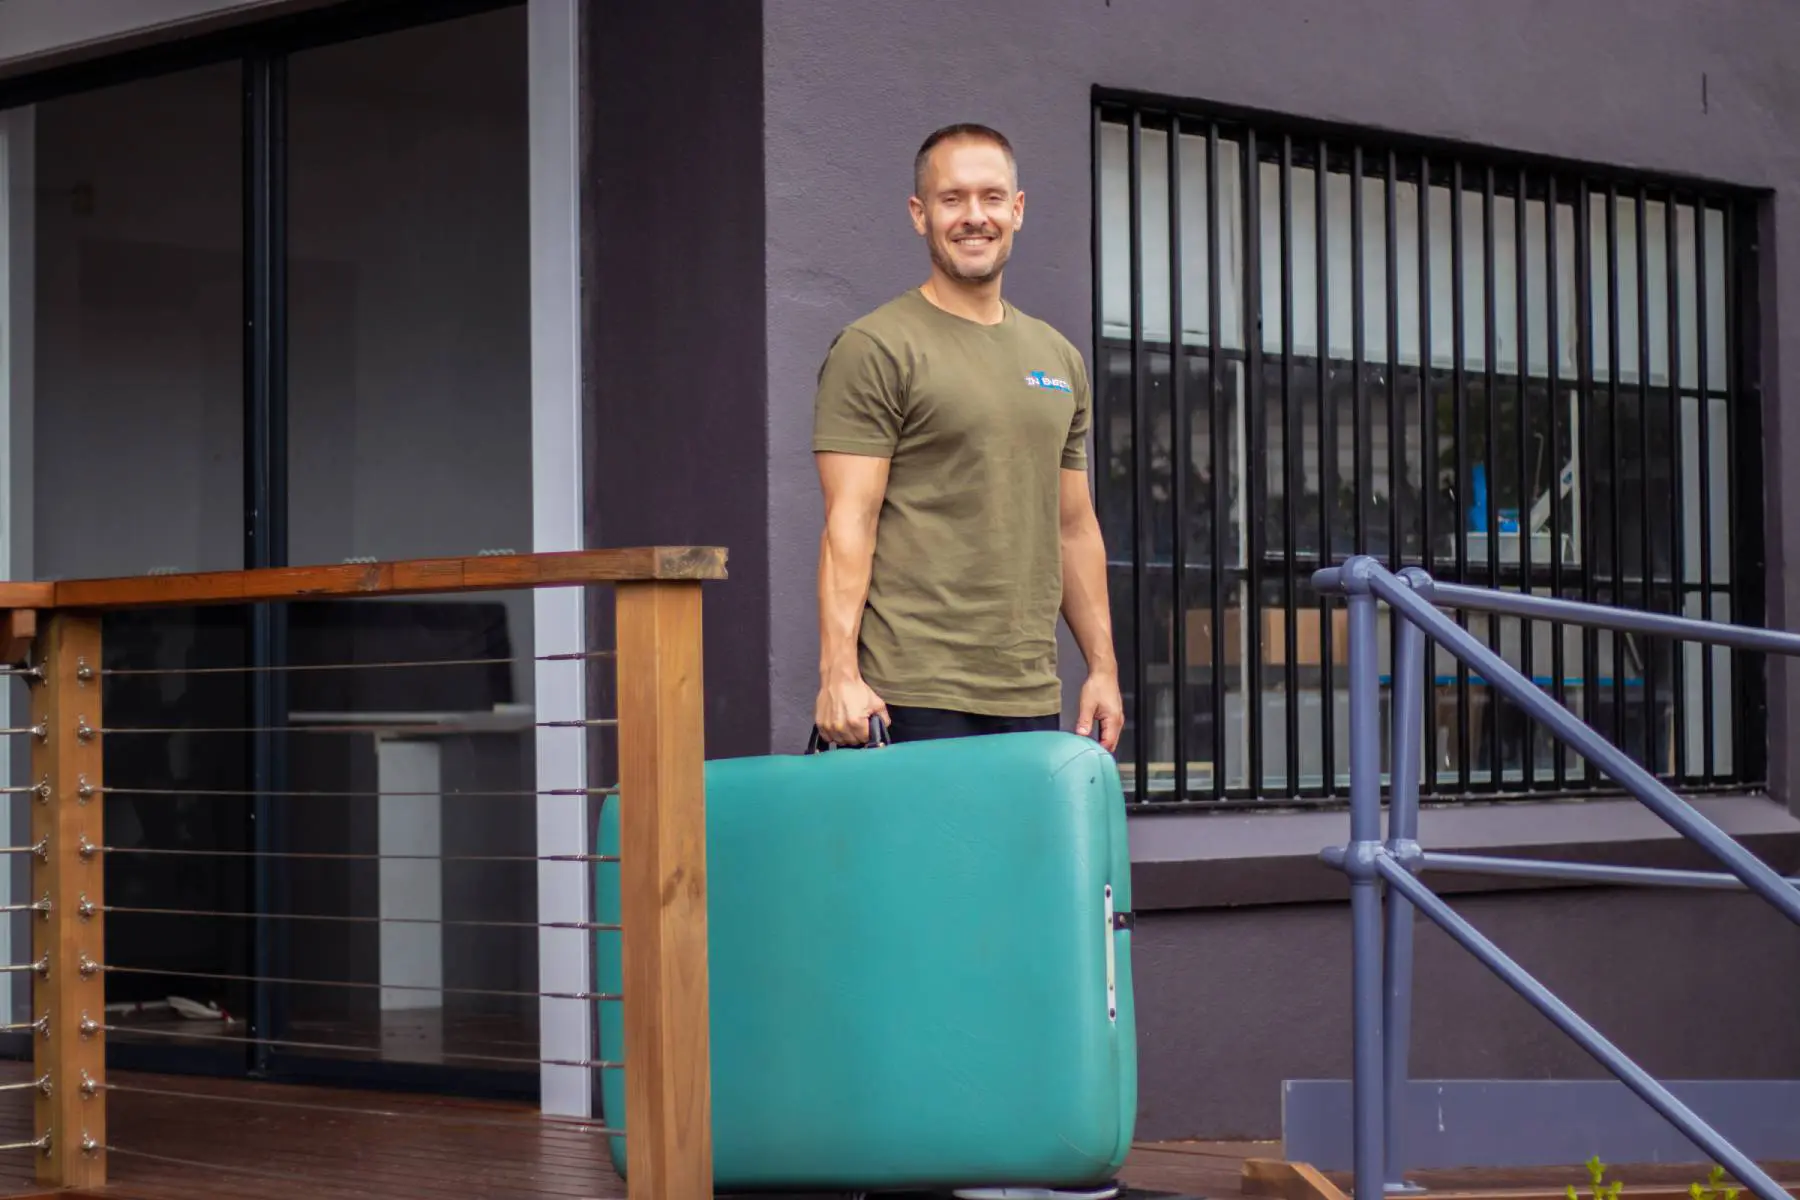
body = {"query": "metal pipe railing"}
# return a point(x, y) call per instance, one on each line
point(1598, 616)
point(1364, 852)
point(1382, 965)
point(1589, 1038)
point(1403, 848)
point(1571, 872)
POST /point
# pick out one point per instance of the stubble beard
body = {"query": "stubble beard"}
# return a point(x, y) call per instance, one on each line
point(949, 267)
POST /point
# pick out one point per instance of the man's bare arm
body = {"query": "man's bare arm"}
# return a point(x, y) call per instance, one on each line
point(1086, 608)
point(853, 487)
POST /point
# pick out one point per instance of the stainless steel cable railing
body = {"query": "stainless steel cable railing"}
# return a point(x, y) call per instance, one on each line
point(85, 940)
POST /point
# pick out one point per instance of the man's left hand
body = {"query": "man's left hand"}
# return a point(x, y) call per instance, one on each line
point(1102, 705)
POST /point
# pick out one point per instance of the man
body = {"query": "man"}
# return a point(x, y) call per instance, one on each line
point(950, 433)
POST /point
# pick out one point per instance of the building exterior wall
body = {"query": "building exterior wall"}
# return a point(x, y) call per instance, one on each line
point(747, 170)
point(1233, 1001)
point(1236, 998)
point(676, 386)
point(1677, 86)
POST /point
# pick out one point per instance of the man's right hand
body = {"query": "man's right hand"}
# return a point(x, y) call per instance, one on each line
point(843, 710)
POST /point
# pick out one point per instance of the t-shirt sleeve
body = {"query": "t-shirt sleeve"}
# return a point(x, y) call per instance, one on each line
point(857, 409)
point(1075, 455)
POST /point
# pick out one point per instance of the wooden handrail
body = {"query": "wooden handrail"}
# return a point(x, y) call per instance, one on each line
point(31, 596)
point(500, 572)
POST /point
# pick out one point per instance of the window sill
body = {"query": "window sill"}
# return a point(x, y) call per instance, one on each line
point(1234, 859)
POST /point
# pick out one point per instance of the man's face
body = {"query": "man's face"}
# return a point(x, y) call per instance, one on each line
point(968, 208)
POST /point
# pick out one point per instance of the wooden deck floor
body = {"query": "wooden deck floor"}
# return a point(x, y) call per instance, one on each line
point(184, 1138)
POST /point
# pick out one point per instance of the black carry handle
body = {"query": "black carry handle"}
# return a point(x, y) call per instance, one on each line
point(878, 736)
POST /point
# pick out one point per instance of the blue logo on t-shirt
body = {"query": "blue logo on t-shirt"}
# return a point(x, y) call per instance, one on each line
point(1043, 379)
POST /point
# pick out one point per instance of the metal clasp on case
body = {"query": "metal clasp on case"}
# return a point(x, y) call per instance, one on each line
point(1112, 967)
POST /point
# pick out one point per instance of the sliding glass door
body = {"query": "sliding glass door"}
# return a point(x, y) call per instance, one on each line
point(280, 313)
point(137, 460)
point(408, 430)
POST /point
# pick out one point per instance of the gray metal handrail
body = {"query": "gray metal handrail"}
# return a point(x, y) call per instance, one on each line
point(1381, 971)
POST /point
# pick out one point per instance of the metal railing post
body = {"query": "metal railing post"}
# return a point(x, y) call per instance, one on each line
point(1362, 857)
point(1403, 847)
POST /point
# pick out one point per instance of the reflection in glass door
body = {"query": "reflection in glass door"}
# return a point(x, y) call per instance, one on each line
point(137, 463)
point(409, 435)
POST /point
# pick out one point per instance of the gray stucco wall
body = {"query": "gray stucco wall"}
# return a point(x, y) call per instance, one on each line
point(1234, 1000)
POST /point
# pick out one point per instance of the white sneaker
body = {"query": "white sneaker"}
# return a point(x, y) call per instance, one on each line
point(1106, 1191)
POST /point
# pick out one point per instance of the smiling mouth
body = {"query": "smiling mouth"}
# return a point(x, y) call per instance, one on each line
point(976, 242)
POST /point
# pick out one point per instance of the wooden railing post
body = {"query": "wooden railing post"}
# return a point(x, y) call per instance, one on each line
point(68, 994)
point(662, 884)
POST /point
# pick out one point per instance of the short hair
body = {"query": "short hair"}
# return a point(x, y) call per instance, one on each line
point(962, 129)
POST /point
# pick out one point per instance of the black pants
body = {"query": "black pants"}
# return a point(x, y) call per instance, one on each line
point(922, 724)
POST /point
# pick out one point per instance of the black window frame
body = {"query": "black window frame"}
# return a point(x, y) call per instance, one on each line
point(1149, 517)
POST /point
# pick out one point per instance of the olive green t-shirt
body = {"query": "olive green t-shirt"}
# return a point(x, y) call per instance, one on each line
point(978, 422)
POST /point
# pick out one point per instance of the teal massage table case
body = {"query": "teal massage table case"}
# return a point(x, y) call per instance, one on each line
point(920, 966)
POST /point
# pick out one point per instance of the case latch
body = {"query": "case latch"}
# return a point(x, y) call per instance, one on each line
point(1112, 979)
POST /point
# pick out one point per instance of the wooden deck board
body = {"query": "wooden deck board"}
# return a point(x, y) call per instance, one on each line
point(183, 1138)
point(1211, 1169)
point(186, 1138)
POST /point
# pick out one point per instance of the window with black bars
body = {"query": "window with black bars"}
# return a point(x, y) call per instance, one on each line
point(1515, 373)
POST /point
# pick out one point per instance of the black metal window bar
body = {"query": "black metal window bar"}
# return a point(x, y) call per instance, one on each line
point(1597, 439)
